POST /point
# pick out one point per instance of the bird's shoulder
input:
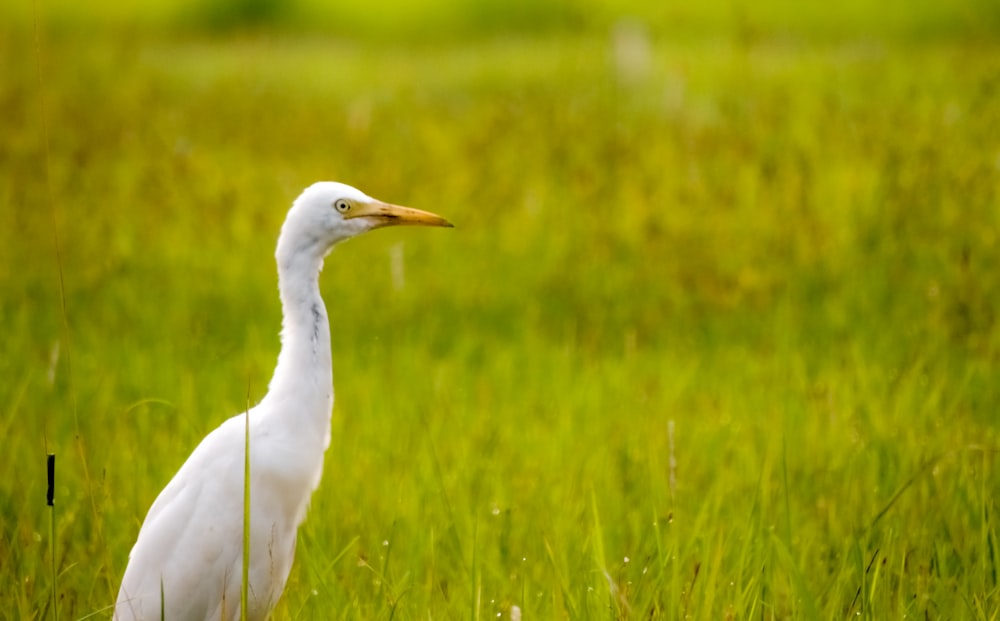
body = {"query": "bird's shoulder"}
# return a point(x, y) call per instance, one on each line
point(210, 467)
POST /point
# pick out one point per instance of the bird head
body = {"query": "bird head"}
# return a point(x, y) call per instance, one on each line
point(328, 212)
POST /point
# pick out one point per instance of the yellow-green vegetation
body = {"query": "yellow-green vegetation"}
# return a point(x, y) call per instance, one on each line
point(716, 335)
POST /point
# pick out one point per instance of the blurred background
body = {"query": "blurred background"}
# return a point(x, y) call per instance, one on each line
point(432, 20)
point(716, 334)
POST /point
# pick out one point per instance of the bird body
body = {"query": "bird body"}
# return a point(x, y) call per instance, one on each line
point(187, 560)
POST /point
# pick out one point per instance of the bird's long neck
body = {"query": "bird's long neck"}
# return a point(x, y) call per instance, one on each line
point(304, 376)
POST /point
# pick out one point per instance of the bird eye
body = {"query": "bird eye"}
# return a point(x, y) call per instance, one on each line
point(342, 206)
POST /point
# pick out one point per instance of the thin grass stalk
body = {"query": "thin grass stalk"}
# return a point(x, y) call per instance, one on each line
point(477, 590)
point(245, 579)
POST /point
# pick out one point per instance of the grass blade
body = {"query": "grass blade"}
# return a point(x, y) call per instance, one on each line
point(245, 579)
point(798, 580)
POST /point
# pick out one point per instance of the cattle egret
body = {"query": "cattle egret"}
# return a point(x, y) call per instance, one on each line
point(187, 561)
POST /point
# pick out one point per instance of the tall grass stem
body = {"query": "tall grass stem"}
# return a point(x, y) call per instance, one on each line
point(245, 578)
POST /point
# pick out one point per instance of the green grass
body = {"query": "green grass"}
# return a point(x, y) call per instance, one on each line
point(784, 248)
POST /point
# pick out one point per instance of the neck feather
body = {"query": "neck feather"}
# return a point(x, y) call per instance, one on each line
point(302, 386)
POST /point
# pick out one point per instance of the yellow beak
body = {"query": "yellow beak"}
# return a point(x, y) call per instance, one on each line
point(387, 214)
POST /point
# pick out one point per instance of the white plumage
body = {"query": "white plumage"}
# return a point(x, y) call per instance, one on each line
point(190, 547)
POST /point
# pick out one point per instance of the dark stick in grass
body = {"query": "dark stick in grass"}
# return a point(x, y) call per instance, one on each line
point(50, 495)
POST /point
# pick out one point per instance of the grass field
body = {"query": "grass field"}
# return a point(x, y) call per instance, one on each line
point(716, 335)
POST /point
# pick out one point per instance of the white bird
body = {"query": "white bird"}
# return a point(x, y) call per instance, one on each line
point(187, 561)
